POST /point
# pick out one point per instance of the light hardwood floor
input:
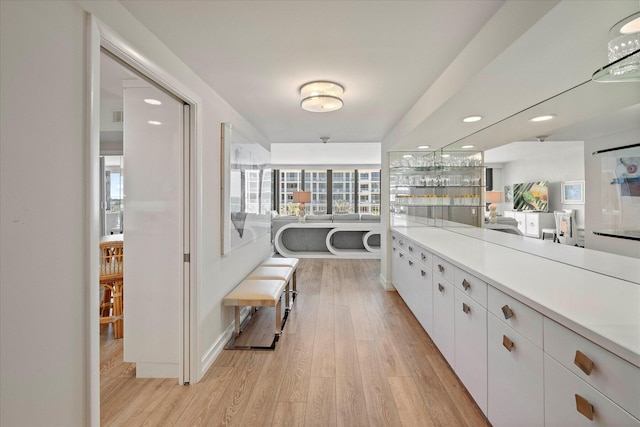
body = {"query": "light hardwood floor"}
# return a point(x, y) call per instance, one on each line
point(351, 355)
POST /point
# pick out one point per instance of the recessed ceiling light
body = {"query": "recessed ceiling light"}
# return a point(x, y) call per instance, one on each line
point(468, 146)
point(471, 119)
point(152, 101)
point(423, 147)
point(446, 155)
point(542, 118)
point(406, 156)
point(154, 122)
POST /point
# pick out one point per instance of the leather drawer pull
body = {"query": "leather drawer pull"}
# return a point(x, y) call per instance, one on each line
point(466, 308)
point(423, 256)
point(393, 237)
point(410, 262)
point(423, 273)
point(410, 248)
point(441, 268)
point(583, 362)
point(440, 287)
point(401, 255)
point(466, 285)
point(507, 343)
point(394, 248)
point(584, 407)
point(506, 310)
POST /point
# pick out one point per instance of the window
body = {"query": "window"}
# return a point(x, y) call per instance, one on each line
point(290, 181)
point(315, 181)
point(343, 191)
point(343, 194)
point(369, 190)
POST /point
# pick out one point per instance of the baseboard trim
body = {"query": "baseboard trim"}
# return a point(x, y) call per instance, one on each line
point(386, 285)
point(216, 348)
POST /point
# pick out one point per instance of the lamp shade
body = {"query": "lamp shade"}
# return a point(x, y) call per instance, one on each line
point(493, 196)
point(301, 196)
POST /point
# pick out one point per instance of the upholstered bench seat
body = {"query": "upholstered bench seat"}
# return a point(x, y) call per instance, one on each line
point(275, 273)
point(285, 262)
point(257, 292)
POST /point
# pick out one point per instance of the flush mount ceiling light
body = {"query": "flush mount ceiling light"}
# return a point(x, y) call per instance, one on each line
point(624, 52)
point(152, 101)
point(154, 122)
point(423, 147)
point(468, 146)
point(471, 119)
point(543, 118)
point(321, 96)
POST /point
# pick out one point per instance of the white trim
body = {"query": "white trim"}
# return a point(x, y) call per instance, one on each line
point(216, 348)
point(386, 284)
point(93, 218)
point(100, 35)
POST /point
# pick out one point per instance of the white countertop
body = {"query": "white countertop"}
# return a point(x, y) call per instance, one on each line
point(600, 307)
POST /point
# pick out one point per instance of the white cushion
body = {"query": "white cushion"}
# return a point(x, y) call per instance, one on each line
point(281, 262)
point(265, 291)
point(282, 273)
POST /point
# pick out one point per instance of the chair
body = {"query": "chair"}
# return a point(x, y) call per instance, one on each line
point(111, 284)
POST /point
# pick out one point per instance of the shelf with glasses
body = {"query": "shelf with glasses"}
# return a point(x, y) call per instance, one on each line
point(439, 185)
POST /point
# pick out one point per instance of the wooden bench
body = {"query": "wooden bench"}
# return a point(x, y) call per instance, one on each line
point(256, 293)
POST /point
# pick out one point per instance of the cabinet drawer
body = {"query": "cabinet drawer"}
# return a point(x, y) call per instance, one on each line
point(443, 268)
point(425, 257)
point(617, 379)
point(516, 388)
point(563, 390)
point(517, 315)
point(471, 286)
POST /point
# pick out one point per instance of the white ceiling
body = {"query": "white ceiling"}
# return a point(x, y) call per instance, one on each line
point(411, 69)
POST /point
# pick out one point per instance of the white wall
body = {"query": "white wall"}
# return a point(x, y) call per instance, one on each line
point(566, 164)
point(593, 193)
point(343, 153)
point(43, 295)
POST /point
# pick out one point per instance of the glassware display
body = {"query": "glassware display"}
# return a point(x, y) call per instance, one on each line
point(445, 188)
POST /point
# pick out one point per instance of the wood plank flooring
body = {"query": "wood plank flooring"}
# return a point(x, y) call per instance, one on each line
point(351, 355)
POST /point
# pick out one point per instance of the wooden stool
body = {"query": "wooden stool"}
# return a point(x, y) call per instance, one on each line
point(275, 273)
point(256, 293)
point(285, 262)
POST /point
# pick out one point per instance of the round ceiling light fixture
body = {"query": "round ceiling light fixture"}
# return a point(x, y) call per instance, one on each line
point(321, 96)
point(471, 119)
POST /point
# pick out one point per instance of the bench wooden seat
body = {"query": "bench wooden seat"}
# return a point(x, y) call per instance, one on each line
point(256, 293)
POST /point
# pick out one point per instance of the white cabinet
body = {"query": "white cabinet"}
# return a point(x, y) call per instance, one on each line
point(515, 386)
point(532, 223)
point(569, 401)
point(470, 346)
point(413, 280)
point(443, 328)
point(422, 305)
point(615, 378)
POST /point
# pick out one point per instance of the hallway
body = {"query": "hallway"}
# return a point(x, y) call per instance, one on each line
point(351, 354)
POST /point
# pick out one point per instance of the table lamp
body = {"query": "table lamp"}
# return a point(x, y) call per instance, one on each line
point(301, 197)
point(493, 197)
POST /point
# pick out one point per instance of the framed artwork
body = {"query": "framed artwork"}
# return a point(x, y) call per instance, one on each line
point(508, 193)
point(246, 192)
point(572, 193)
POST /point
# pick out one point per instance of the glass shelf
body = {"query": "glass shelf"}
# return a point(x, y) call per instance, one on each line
point(442, 187)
